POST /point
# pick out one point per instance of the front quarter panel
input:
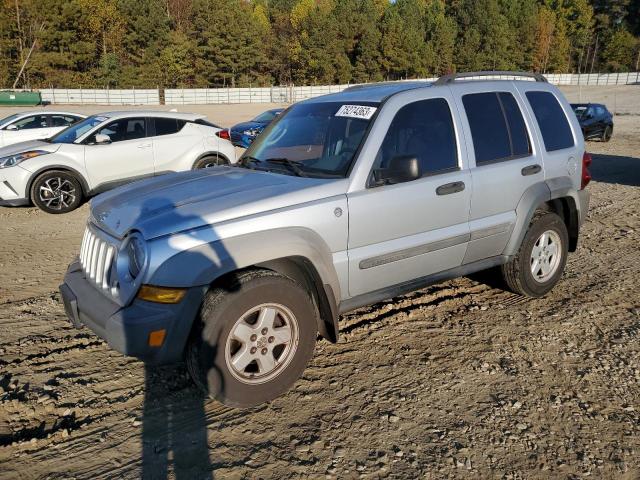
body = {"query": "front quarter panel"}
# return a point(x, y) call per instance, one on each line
point(316, 231)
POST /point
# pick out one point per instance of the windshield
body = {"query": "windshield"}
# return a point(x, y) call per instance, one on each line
point(8, 119)
point(266, 117)
point(321, 139)
point(580, 110)
point(74, 132)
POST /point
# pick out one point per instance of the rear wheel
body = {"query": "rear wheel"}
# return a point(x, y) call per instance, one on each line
point(209, 161)
point(256, 335)
point(56, 191)
point(606, 133)
point(538, 265)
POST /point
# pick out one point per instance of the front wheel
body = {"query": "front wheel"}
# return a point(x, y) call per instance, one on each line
point(257, 333)
point(538, 265)
point(606, 134)
point(56, 191)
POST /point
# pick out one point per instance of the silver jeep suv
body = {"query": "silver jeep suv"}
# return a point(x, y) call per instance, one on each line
point(343, 201)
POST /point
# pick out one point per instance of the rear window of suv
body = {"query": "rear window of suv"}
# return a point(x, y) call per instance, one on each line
point(497, 127)
point(553, 123)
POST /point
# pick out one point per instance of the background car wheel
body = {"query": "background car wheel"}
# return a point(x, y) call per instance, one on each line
point(56, 191)
point(539, 263)
point(209, 161)
point(257, 333)
point(606, 134)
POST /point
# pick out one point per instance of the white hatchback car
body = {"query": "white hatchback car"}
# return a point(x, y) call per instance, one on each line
point(34, 125)
point(105, 151)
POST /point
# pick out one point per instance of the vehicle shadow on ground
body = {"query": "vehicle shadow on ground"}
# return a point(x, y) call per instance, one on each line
point(174, 425)
point(616, 169)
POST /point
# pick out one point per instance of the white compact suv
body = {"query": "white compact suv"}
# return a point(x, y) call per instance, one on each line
point(105, 151)
point(34, 125)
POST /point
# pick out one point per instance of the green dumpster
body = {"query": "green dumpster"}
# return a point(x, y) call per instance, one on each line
point(14, 98)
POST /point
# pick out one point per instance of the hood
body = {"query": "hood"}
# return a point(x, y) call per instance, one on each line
point(30, 145)
point(182, 201)
point(240, 127)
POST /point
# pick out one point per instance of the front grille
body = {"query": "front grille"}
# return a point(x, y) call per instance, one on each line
point(96, 258)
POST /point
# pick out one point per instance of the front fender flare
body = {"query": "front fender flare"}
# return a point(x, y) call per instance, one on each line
point(189, 263)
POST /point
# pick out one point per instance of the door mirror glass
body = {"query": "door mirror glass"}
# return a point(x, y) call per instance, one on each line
point(102, 139)
point(402, 168)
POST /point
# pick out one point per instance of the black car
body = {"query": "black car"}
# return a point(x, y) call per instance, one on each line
point(595, 120)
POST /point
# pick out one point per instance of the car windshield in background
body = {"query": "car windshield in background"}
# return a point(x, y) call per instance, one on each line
point(8, 119)
point(580, 110)
point(74, 132)
point(312, 139)
point(266, 117)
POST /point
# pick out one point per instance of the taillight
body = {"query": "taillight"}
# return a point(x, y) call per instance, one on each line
point(224, 134)
point(586, 163)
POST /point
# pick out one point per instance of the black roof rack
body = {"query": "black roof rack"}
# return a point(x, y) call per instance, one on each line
point(452, 77)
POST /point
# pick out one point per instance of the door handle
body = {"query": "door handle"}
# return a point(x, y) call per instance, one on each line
point(449, 188)
point(144, 145)
point(531, 170)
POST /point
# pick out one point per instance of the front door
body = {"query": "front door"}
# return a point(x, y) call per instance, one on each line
point(34, 127)
point(128, 156)
point(409, 230)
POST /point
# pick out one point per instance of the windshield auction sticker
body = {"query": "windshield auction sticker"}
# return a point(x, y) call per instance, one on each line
point(356, 111)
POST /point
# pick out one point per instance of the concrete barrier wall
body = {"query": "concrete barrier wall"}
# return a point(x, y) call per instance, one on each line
point(285, 94)
point(101, 97)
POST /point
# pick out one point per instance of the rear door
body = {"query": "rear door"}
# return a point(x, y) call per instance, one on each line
point(409, 230)
point(33, 127)
point(128, 157)
point(504, 163)
point(176, 144)
point(59, 121)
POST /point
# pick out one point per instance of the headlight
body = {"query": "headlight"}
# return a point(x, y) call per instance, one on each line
point(136, 254)
point(11, 160)
point(252, 132)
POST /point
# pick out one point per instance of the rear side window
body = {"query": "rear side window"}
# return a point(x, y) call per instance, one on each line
point(423, 129)
point(553, 123)
point(168, 126)
point(497, 127)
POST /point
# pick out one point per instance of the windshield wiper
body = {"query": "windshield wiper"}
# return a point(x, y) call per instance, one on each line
point(293, 165)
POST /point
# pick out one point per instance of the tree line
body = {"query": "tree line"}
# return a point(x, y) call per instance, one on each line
point(206, 43)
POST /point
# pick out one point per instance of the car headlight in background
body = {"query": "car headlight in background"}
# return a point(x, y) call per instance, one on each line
point(137, 255)
point(15, 159)
point(252, 132)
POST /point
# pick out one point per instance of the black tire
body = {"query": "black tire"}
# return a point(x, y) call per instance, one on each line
point(606, 133)
point(209, 161)
point(223, 309)
point(517, 273)
point(56, 191)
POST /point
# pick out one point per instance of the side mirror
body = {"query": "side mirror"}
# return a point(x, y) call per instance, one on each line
point(403, 168)
point(11, 127)
point(102, 139)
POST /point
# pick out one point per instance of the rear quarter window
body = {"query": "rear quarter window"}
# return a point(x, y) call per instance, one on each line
point(552, 121)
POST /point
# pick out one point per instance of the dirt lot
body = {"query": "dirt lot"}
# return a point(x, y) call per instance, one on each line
point(457, 380)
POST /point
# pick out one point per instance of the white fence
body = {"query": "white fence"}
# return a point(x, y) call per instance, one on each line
point(204, 96)
point(286, 94)
point(101, 97)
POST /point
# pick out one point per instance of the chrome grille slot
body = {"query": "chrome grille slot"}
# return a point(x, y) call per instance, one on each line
point(96, 259)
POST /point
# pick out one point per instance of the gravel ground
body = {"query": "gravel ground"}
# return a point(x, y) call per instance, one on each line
point(460, 379)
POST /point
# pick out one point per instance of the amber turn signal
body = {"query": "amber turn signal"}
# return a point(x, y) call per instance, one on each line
point(156, 338)
point(161, 294)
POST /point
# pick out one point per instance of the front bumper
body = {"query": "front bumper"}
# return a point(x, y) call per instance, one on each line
point(13, 186)
point(127, 329)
